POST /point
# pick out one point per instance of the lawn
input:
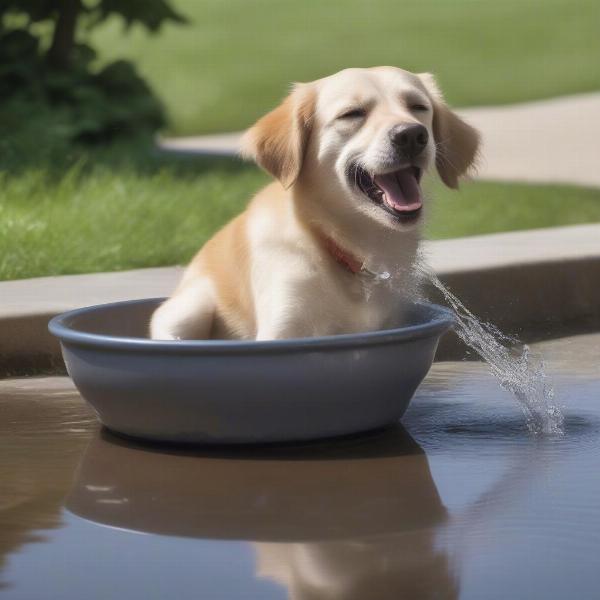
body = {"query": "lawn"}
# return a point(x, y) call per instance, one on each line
point(237, 58)
point(130, 208)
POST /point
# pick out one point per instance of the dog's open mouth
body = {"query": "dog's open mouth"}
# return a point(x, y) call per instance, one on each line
point(399, 192)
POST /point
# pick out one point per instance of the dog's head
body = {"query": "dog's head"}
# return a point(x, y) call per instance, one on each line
point(364, 137)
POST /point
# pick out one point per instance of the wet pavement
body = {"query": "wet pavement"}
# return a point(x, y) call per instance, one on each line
point(459, 502)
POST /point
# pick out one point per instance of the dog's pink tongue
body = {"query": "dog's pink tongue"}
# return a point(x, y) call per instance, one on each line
point(401, 189)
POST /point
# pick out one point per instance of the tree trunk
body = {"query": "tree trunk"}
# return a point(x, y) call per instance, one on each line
point(63, 40)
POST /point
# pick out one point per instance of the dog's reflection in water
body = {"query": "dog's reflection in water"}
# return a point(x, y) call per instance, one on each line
point(394, 566)
point(353, 518)
point(399, 560)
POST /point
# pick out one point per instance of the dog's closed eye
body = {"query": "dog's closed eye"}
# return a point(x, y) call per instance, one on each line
point(353, 113)
point(416, 107)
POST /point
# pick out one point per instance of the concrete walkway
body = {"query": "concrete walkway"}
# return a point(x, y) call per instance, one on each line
point(549, 141)
point(518, 279)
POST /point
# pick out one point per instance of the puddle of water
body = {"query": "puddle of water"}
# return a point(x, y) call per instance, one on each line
point(461, 503)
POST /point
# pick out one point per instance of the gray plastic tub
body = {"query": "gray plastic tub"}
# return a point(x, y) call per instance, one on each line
point(219, 391)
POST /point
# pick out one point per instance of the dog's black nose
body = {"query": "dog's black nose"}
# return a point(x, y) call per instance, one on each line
point(409, 140)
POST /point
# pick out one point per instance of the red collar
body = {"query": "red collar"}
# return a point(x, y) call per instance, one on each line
point(341, 256)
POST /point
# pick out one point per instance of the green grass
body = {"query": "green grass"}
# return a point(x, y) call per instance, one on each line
point(490, 207)
point(237, 58)
point(115, 211)
point(128, 208)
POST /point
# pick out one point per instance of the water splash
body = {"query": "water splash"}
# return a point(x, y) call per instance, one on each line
point(512, 363)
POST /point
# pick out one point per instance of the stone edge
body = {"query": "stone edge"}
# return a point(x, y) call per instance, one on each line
point(530, 297)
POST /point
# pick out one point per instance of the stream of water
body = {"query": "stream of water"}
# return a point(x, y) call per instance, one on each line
point(515, 367)
point(512, 363)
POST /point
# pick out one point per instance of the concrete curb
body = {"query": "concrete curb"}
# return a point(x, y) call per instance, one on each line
point(27, 305)
point(536, 283)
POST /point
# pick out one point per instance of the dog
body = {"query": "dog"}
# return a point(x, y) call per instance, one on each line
point(327, 248)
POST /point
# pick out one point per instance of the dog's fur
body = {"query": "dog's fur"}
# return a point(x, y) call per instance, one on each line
point(281, 268)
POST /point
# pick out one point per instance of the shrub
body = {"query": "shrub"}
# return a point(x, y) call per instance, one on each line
point(48, 74)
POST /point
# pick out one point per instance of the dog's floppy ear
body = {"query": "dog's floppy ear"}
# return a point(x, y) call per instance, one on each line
point(277, 142)
point(457, 143)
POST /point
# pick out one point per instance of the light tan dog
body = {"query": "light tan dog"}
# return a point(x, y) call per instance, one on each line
point(311, 254)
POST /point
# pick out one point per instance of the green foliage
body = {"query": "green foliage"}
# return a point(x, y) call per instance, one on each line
point(60, 80)
point(152, 14)
point(36, 10)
